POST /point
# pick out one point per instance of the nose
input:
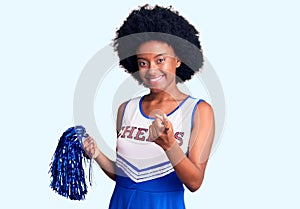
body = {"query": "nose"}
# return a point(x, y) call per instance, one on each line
point(153, 66)
point(151, 71)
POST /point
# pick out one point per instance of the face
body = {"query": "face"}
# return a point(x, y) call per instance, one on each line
point(157, 65)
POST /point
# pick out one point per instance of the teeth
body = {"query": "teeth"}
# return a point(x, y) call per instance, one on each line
point(155, 79)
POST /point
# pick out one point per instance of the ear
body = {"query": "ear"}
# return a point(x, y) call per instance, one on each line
point(178, 63)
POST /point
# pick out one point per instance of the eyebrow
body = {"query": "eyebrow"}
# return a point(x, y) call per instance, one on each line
point(154, 56)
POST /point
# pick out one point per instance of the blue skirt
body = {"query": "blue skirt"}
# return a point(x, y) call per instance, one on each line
point(162, 193)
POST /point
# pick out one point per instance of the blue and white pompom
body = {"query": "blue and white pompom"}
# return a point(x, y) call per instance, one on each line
point(67, 173)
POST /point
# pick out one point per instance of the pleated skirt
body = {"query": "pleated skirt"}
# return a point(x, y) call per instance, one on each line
point(162, 193)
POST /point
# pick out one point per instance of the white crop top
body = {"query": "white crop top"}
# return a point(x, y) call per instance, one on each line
point(142, 160)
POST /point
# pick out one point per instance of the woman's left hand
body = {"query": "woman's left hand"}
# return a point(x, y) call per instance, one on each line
point(161, 131)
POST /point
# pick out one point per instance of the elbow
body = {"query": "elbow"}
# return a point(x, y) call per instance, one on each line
point(195, 186)
point(194, 189)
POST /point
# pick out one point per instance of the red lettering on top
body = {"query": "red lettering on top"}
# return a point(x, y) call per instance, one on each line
point(128, 130)
point(178, 136)
point(120, 132)
point(140, 134)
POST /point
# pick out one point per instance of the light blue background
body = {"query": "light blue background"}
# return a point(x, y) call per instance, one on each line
point(253, 46)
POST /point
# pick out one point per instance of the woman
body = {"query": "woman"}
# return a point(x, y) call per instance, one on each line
point(163, 138)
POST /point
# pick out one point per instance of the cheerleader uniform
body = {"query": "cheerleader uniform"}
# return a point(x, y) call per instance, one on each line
point(145, 177)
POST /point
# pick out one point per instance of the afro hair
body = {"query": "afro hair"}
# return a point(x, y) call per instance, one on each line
point(160, 24)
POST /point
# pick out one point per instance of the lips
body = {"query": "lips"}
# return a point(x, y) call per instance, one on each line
point(154, 80)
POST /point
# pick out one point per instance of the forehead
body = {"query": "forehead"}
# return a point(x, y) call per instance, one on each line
point(155, 47)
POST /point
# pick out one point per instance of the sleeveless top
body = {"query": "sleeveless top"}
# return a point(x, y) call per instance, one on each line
point(137, 157)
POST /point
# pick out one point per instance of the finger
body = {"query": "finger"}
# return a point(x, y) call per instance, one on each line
point(154, 135)
point(91, 141)
point(159, 126)
point(158, 116)
point(166, 122)
point(86, 148)
point(158, 130)
point(151, 137)
point(92, 150)
point(88, 145)
point(87, 142)
point(159, 123)
point(150, 133)
point(86, 139)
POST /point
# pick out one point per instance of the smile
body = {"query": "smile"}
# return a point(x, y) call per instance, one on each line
point(155, 79)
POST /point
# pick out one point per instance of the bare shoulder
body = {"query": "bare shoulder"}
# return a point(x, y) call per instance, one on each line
point(204, 114)
point(121, 108)
point(204, 108)
point(120, 115)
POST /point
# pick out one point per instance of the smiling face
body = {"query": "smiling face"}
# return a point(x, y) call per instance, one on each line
point(157, 65)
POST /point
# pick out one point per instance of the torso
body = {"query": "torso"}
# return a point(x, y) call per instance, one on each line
point(137, 157)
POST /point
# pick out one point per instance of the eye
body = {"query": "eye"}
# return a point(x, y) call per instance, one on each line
point(161, 60)
point(142, 64)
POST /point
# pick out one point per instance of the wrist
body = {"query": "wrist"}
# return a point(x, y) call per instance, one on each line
point(97, 153)
point(175, 154)
point(169, 146)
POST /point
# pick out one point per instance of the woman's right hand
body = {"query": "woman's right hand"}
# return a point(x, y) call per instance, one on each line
point(90, 148)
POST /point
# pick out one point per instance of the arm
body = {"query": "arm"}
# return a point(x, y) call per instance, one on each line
point(191, 169)
point(94, 152)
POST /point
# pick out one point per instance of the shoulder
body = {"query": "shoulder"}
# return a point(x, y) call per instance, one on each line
point(204, 107)
point(200, 105)
point(120, 115)
point(203, 113)
point(122, 107)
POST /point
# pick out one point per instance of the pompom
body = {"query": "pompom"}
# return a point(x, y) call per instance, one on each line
point(67, 172)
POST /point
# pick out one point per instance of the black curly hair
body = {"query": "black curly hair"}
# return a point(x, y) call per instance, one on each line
point(160, 24)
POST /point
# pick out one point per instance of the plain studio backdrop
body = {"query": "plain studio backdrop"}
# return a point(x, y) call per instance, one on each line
point(253, 47)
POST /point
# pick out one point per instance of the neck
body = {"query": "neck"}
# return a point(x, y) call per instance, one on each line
point(160, 95)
